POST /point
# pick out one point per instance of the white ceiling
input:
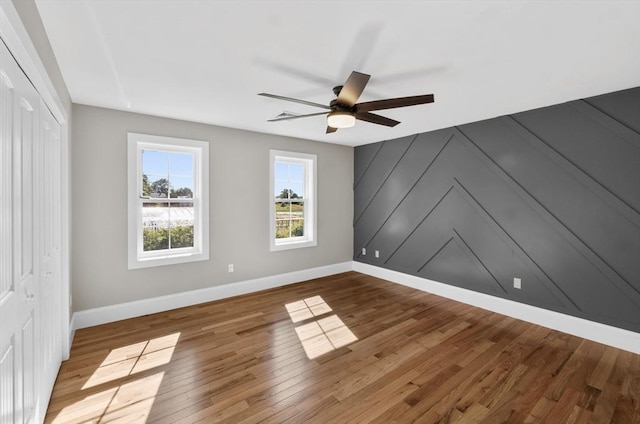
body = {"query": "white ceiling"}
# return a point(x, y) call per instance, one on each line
point(205, 61)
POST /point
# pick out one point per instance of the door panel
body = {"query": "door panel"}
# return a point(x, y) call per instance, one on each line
point(10, 343)
point(7, 383)
point(6, 236)
point(28, 368)
point(26, 105)
point(48, 166)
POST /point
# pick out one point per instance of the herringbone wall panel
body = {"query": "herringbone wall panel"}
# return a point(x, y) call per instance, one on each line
point(551, 196)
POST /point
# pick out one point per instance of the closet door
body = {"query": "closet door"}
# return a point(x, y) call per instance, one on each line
point(30, 330)
point(20, 295)
point(8, 297)
point(48, 189)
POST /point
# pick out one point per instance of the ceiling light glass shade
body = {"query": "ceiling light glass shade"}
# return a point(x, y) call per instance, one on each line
point(341, 119)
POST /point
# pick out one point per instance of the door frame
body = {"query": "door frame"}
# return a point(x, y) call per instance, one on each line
point(16, 37)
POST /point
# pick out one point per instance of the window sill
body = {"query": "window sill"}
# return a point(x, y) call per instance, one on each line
point(135, 263)
point(293, 245)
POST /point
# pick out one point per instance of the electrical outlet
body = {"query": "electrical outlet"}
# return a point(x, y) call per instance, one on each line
point(364, 251)
point(230, 267)
point(517, 283)
point(377, 254)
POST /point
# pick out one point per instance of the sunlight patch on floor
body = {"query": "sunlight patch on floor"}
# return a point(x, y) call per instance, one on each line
point(307, 308)
point(127, 402)
point(131, 403)
point(322, 335)
point(134, 358)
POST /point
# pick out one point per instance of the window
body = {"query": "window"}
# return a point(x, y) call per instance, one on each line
point(293, 200)
point(168, 200)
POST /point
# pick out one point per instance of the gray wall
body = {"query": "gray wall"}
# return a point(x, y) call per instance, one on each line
point(551, 196)
point(239, 208)
point(30, 17)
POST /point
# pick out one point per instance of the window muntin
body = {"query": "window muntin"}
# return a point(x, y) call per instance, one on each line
point(168, 200)
point(293, 212)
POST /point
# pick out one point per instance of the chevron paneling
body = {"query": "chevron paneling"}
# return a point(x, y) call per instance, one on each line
point(551, 196)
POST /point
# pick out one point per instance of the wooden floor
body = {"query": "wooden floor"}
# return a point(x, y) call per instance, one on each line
point(380, 353)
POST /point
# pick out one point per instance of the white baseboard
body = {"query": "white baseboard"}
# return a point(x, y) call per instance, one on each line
point(601, 333)
point(106, 314)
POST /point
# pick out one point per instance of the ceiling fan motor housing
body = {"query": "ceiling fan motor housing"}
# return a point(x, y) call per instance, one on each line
point(337, 106)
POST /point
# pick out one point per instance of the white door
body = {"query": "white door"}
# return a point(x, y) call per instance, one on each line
point(8, 297)
point(48, 190)
point(19, 295)
point(30, 339)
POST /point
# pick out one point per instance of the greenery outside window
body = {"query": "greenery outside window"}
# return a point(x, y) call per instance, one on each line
point(293, 200)
point(168, 200)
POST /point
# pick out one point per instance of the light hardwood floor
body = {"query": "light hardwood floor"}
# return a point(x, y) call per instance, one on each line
point(380, 353)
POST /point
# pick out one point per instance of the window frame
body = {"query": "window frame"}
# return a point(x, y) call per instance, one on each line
point(309, 239)
point(137, 258)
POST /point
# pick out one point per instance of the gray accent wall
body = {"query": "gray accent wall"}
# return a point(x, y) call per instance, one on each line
point(550, 196)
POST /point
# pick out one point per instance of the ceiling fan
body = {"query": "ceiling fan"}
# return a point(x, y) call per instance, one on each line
point(343, 111)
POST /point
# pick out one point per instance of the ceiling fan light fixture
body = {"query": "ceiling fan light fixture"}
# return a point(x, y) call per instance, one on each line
point(340, 119)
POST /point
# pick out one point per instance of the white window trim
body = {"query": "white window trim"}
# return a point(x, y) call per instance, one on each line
point(200, 252)
point(310, 203)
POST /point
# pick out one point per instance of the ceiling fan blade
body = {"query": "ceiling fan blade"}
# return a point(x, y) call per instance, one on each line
point(393, 103)
point(290, 99)
point(285, 118)
point(331, 130)
point(376, 119)
point(353, 88)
